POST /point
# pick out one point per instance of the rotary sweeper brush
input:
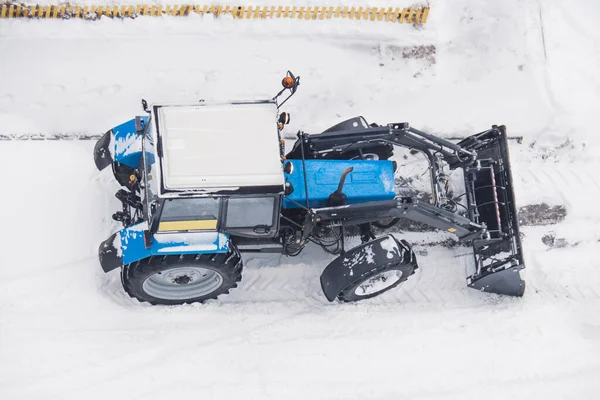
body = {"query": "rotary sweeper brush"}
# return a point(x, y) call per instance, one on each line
point(205, 182)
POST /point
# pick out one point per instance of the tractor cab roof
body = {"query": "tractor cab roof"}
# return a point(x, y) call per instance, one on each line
point(223, 148)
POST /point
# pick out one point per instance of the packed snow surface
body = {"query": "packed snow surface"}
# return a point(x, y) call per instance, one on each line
point(68, 331)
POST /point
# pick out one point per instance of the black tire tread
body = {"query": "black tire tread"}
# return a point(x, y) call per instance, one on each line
point(407, 264)
point(229, 264)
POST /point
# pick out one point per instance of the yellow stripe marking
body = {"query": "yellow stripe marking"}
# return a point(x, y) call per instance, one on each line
point(187, 225)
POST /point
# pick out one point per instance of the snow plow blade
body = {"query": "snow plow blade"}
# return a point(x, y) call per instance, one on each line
point(491, 200)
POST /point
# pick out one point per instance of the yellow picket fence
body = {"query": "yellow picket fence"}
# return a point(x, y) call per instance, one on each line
point(414, 15)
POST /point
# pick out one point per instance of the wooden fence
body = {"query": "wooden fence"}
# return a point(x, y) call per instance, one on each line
point(411, 15)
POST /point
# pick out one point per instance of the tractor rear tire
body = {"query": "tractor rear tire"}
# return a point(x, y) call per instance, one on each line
point(182, 279)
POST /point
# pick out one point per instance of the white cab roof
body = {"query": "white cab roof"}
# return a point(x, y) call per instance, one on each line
point(210, 147)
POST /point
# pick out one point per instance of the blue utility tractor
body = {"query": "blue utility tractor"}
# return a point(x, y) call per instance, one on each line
point(203, 183)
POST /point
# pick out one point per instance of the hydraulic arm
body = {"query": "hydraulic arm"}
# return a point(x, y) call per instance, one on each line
point(490, 222)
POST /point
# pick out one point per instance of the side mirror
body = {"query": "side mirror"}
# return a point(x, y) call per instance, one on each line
point(145, 106)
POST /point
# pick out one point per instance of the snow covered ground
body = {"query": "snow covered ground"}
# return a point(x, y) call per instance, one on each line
point(68, 331)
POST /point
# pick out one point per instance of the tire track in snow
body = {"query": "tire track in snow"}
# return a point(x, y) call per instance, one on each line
point(564, 176)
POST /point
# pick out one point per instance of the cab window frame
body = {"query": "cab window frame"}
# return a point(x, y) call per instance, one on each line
point(161, 206)
point(276, 198)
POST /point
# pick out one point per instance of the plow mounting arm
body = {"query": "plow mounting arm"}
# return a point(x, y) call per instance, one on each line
point(331, 143)
point(403, 207)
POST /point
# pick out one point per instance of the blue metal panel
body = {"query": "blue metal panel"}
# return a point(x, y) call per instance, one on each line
point(371, 180)
point(127, 143)
point(132, 243)
point(133, 248)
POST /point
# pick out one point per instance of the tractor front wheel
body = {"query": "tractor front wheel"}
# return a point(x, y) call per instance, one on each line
point(369, 270)
point(180, 279)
